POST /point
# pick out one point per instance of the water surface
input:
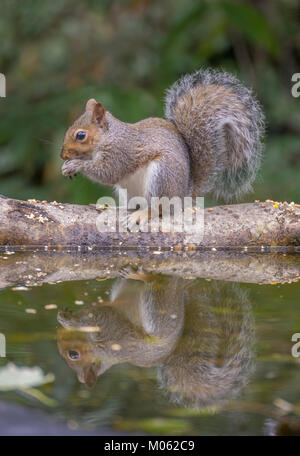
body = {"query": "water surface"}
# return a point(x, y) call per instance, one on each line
point(160, 354)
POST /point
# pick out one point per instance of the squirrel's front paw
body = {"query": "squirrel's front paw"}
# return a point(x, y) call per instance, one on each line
point(71, 167)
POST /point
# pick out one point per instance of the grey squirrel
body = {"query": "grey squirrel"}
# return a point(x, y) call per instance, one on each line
point(210, 142)
point(198, 335)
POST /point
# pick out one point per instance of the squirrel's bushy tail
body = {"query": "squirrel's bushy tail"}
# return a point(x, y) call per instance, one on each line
point(213, 358)
point(223, 125)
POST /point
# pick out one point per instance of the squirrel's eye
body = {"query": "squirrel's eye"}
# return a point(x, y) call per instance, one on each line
point(73, 354)
point(80, 135)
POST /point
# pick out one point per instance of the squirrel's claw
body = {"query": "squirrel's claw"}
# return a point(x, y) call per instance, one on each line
point(137, 221)
point(71, 168)
point(141, 220)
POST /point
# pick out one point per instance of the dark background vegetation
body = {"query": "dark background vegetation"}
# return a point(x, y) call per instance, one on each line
point(125, 53)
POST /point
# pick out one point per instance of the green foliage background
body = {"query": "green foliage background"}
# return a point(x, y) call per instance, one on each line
point(57, 54)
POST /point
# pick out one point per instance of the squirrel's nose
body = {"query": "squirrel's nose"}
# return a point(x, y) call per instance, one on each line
point(64, 155)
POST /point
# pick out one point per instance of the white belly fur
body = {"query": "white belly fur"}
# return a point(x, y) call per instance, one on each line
point(136, 183)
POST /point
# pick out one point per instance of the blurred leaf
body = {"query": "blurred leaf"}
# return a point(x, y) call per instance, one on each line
point(14, 377)
point(250, 21)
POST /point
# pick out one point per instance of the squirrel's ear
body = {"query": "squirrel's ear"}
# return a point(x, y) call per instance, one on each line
point(98, 116)
point(90, 104)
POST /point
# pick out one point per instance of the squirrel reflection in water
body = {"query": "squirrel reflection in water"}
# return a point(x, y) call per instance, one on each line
point(198, 335)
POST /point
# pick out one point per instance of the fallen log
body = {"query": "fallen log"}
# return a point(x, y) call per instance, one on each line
point(268, 226)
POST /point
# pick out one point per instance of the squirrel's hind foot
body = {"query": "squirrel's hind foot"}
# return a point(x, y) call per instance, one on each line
point(134, 273)
point(137, 221)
